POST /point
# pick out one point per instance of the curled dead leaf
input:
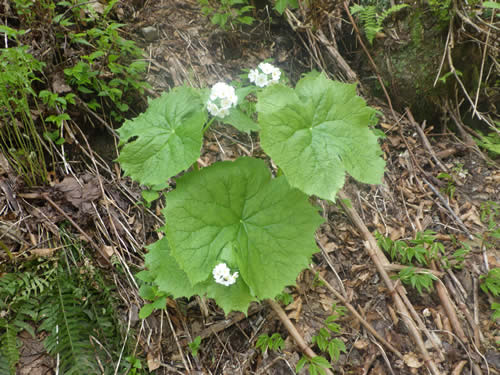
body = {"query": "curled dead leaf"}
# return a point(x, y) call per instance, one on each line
point(59, 85)
point(153, 359)
point(361, 344)
point(108, 250)
point(296, 308)
point(80, 194)
point(411, 360)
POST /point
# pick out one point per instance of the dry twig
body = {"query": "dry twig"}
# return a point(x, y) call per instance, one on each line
point(297, 337)
point(425, 141)
point(359, 317)
point(379, 260)
point(449, 308)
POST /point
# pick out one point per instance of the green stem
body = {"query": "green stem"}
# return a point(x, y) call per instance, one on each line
point(208, 125)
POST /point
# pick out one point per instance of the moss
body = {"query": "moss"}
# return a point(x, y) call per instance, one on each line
point(410, 65)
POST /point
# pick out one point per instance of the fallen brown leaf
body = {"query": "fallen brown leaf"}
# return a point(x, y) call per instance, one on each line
point(411, 360)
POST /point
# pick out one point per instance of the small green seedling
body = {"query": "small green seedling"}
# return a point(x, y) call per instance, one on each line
point(227, 13)
point(194, 346)
point(496, 311)
point(150, 292)
point(418, 280)
point(372, 20)
point(450, 187)
point(490, 283)
point(149, 196)
point(284, 298)
point(135, 365)
point(281, 5)
point(317, 365)
point(425, 248)
point(275, 342)
point(324, 340)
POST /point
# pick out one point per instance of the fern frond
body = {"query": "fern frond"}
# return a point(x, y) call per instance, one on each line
point(4, 365)
point(8, 284)
point(392, 10)
point(69, 330)
point(8, 346)
point(356, 8)
point(368, 17)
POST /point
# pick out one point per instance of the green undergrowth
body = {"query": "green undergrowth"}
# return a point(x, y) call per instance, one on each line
point(418, 253)
point(230, 14)
point(83, 63)
point(19, 140)
point(372, 19)
point(68, 304)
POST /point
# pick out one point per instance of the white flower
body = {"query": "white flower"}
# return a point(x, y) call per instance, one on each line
point(222, 275)
point(252, 75)
point(264, 75)
point(222, 99)
point(234, 98)
point(223, 112)
point(212, 108)
point(275, 75)
point(266, 68)
point(231, 279)
point(219, 90)
point(229, 101)
point(221, 270)
point(262, 80)
point(225, 103)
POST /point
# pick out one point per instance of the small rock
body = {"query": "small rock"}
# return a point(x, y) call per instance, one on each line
point(150, 33)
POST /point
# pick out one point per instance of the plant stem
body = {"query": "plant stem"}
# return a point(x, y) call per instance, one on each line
point(208, 125)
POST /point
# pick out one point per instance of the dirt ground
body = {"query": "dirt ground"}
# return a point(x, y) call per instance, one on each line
point(453, 320)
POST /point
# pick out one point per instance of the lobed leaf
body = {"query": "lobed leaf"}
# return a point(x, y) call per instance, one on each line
point(167, 274)
point(258, 226)
point(171, 279)
point(318, 132)
point(169, 137)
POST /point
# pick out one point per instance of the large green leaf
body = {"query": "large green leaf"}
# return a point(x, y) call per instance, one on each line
point(235, 213)
point(317, 132)
point(170, 279)
point(169, 137)
point(236, 297)
point(166, 273)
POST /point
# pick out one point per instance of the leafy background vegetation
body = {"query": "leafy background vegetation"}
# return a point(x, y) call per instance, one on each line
point(64, 301)
point(70, 303)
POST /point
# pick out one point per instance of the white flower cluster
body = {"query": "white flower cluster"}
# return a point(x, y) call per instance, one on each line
point(222, 99)
point(222, 275)
point(264, 75)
